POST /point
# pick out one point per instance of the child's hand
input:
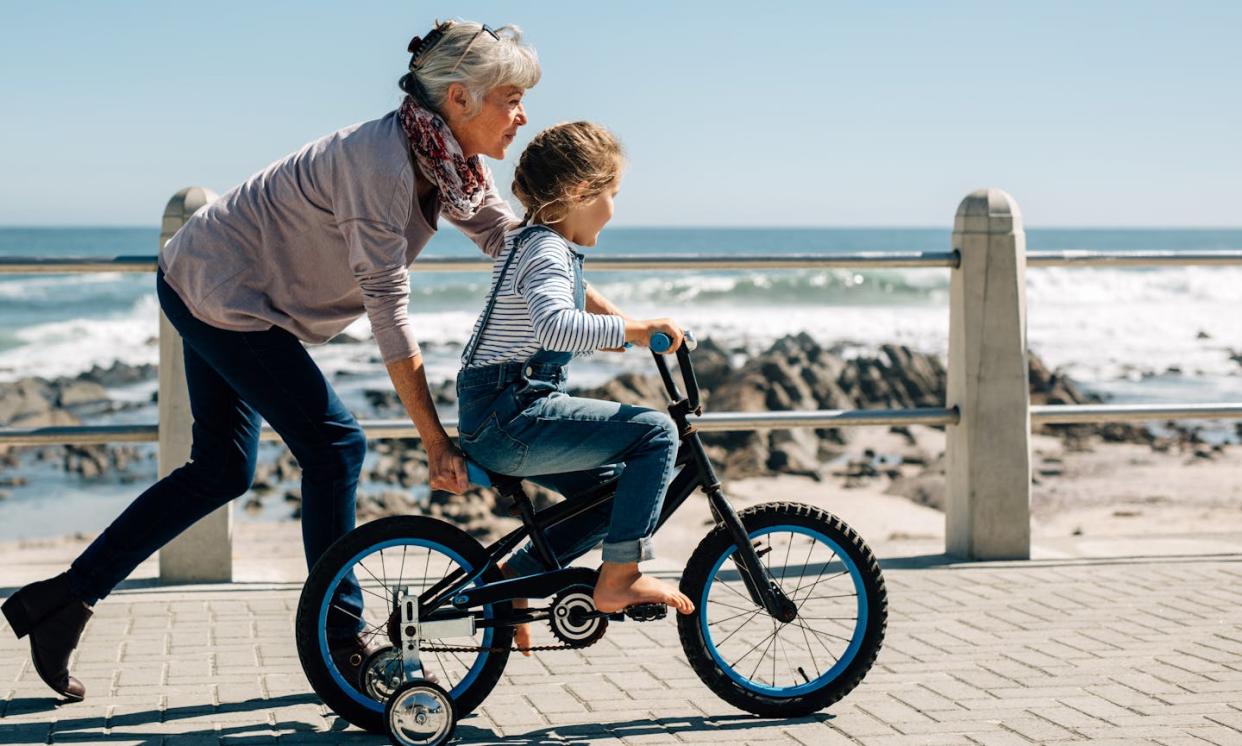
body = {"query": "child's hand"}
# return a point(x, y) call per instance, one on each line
point(639, 331)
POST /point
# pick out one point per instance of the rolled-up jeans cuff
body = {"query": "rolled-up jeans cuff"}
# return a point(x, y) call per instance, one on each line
point(635, 550)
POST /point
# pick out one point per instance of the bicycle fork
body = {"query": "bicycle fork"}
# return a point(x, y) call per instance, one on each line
point(764, 591)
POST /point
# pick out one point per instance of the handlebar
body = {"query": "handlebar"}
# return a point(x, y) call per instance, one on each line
point(660, 342)
point(689, 343)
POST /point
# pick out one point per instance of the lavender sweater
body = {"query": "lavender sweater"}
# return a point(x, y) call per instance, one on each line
point(318, 238)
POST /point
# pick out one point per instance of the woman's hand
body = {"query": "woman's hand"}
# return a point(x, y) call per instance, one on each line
point(446, 468)
point(639, 331)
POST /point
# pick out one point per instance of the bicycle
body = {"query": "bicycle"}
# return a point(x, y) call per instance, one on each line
point(450, 628)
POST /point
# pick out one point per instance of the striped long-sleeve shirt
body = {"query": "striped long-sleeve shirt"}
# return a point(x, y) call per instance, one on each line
point(535, 306)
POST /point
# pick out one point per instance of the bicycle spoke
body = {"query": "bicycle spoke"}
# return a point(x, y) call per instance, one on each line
point(385, 599)
point(826, 598)
point(827, 650)
point(346, 611)
point(731, 606)
point(383, 569)
point(793, 670)
point(733, 590)
point(426, 567)
point(817, 582)
point(733, 665)
point(401, 570)
point(829, 618)
point(785, 566)
point(810, 651)
point(447, 679)
point(776, 638)
point(364, 567)
point(762, 656)
point(814, 631)
point(820, 577)
point(735, 616)
point(734, 632)
point(457, 658)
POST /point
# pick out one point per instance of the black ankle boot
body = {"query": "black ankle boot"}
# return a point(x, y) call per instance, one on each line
point(54, 618)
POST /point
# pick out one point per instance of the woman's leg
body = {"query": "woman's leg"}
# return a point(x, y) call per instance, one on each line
point(267, 374)
point(221, 467)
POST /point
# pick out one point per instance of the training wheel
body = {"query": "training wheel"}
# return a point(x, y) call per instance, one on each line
point(420, 713)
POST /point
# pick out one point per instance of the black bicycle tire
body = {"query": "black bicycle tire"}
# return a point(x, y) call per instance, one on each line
point(347, 547)
point(704, 559)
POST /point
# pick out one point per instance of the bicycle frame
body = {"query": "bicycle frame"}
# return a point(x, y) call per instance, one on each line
point(695, 472)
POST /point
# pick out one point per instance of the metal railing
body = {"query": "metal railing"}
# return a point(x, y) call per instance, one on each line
point(988, 392)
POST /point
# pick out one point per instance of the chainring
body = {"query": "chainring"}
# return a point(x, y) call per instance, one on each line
point(574, 620)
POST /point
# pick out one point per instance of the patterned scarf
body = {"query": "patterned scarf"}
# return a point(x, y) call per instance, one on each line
point(462, 181)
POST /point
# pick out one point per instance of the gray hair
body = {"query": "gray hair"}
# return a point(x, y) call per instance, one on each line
point(469, 55)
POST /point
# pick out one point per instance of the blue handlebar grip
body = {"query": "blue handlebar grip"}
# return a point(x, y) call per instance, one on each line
point(660, 342)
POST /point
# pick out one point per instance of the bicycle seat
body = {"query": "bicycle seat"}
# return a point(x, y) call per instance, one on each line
point(477, 474)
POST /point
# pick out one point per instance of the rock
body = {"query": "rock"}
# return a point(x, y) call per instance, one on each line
point(253, 505)
point(81, 392)
point(630, 388)
point(1203, 335)
point(711, 364)
point(119, 374)
point(794, 452)
point(25, 400)
point(382, 400)
point(49, 418)
point(445, 392)
point(925, 489)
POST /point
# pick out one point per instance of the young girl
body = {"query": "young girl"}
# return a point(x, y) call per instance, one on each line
point(515, 417)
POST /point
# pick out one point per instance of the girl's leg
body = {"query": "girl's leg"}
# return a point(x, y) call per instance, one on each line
point(578, 535)
point(569, 540)
point(565, 434)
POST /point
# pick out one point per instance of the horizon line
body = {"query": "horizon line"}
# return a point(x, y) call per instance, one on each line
point(156, 226)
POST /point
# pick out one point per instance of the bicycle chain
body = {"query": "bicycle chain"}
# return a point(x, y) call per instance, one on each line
point(512, 649)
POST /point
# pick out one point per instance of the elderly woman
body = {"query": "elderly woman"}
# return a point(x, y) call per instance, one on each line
point(295, 254)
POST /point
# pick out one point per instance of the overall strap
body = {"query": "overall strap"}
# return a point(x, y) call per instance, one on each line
point(518, 241)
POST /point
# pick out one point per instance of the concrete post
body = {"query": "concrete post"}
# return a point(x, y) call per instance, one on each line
point(988, 491)
point(203, 553)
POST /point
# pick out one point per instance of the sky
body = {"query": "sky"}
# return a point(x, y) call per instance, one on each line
point(732, 113)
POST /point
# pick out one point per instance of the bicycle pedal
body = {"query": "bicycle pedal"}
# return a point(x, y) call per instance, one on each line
point(646, 612)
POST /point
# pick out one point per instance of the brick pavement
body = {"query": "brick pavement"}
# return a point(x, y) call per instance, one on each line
point(1127, 651)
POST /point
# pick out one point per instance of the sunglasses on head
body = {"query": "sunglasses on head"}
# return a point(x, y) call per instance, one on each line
point(420, 46)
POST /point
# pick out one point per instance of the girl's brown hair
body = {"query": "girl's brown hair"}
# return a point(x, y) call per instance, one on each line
point(553, 169)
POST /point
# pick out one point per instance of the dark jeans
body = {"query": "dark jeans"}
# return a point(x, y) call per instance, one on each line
point(234, 378)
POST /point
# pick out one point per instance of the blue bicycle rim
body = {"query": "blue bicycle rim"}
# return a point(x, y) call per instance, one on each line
point(350, 689)
point(860, 626)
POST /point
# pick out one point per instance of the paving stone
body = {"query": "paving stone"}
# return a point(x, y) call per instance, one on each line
point(987, 654)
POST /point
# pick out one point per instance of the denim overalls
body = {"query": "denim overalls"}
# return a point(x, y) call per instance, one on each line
point(515, 418)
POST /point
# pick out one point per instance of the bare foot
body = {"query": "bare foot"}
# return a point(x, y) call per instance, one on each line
point(521, 633)
point(621, 585)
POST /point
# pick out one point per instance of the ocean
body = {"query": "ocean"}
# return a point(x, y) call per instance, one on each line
point(1161, 335)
